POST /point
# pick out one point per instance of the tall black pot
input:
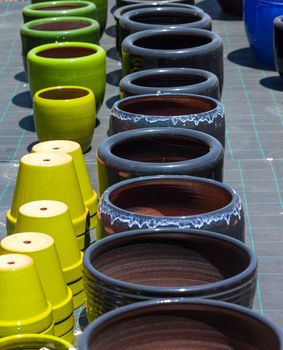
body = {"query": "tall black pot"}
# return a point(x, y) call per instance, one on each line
point(278, 44)
point(233, 7)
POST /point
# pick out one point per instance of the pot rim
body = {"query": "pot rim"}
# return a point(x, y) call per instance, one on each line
point(105, 149)
point(27, 28)
point(35, 8)
point(234, 208)
point(37, 98)
point(146, 306)
point(130, 237)
point(208, 116)
point(129, 41)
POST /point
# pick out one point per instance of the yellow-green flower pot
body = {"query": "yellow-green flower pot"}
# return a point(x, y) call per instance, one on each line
point(34, 341)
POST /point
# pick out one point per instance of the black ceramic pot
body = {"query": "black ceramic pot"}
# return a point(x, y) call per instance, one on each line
point(140, 265)
point(151, 18)
point(234, 7)
point(181, 324)
point(278, 44)
point(158, 151)
point(186, 202)
point(174, 47)
point(170, 80)
point(195, 112)
point(120, 3)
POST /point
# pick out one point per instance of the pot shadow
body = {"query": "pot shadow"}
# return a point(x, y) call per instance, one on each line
point(113, 78)
point(273, 83)
point(109, 103)
point(27, 123)
point(83, 322)
point(21, 77)
point(112, 53)
point(113, 8)
point(23, 99)
point(97, 122)
point(29, 147)
point(215, 11)
point(244, 57)
point(111, 31)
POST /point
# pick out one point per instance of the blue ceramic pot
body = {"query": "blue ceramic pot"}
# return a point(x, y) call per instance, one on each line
point(258, 18)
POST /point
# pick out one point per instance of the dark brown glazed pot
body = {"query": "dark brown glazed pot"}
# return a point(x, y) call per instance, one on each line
point(187, 202)
point(200, 113)
point(151, 18)
point(170, 80)
point(145, 264)
point(182, 325)
point(173, 47)
point(234, 7)
point(158, 151)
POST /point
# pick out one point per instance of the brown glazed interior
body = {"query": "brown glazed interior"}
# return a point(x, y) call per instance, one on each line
point(183, 327)
point(168, 260)
point(171, 18)
point(170, 197)
point(66, 52)
point(168, 80)
point(60, 7)
point(63, 94)
point(171, 41)
point(61, 25)
point(160, 149)
point(166, 105)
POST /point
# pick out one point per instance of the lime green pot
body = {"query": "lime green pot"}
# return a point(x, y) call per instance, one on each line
point(65, 113)
point(58, 64)
point(50, 30)
point(59, 9)
point(34, 341)
point(101, 10)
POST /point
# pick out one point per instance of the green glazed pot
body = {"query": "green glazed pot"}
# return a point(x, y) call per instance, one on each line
point(50, 30)
point(68, 63)
point(65, 113)
point(101, 11)
point(34, 341)
point(59, 9)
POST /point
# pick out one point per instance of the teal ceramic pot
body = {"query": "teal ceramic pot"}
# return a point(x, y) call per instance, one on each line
point(101, 10)
point(51, 30)
point(69, 63)
point(59, 9)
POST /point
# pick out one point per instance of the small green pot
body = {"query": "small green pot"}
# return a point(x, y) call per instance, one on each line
point(50, 30)
point(59, 9)
point(58, 64)
point(101, 10)
point(34, 341)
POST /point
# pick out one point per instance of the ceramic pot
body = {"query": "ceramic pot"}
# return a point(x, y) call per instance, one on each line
point(24, 307)
point(76, 107)
point(233, 7)
point(120, 3)
point(182, 324)
point(151, 18)
point(158, 151)
point(146, 203)
point(34, 341)
point(59, 9)
point(257, 12)
point(41, 248)
point(140, 265)
point(50, 30)
point(173, 47)
point(170, 80)
point(277, 44)
point(101, 11)
point(195, 112)
point(68, 63)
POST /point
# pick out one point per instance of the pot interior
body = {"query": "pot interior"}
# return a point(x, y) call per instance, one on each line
point(63, 94)
point(66, 52)
point(60, 7)
point(163, 18)
point(168, 80)
point(170, 197)
point(61, 25)
point(183, 327)
point(171, 41)
point(171, 260)
point(175, 105)
point(160, 148)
